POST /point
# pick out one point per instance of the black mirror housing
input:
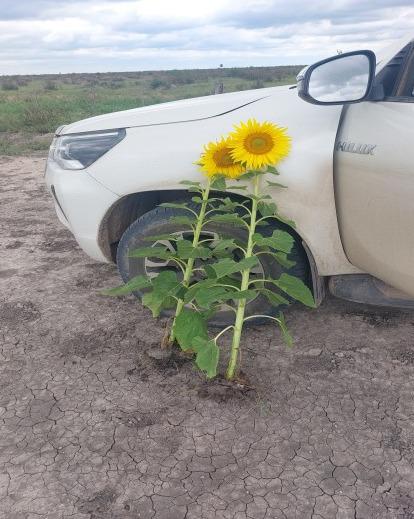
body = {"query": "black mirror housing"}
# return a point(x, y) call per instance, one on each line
point(305, 81)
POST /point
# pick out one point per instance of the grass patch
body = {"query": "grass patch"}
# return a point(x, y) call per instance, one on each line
point(34, 106)
point(24, 143)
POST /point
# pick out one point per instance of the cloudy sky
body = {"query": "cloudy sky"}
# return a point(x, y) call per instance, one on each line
point(41, 36)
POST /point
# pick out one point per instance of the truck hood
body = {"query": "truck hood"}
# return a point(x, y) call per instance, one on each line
point(198, 108)
point(173, 112)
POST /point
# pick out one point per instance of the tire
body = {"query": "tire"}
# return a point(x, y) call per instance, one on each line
point(156, 222)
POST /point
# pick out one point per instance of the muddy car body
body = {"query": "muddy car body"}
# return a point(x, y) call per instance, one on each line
point(349, 175)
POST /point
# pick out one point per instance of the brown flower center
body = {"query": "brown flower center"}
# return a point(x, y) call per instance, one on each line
point(258, 143)
point(222, 158)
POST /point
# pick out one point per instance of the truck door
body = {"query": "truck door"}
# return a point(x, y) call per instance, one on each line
point(374, 178)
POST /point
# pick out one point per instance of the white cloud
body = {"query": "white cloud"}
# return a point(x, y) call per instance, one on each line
point(100, 35)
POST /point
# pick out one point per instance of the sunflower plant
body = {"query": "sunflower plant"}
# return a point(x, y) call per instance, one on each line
point(257, 148)
point(217, 274)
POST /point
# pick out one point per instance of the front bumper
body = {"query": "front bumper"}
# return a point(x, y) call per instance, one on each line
point(81, 204)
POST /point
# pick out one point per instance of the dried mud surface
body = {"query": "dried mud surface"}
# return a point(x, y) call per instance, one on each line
point(95, 423)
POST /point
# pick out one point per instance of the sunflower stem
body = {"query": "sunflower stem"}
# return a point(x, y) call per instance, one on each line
point(188, 272)
point(241, 307)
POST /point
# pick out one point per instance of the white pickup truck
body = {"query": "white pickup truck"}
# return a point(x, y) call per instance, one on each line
point(350, 174)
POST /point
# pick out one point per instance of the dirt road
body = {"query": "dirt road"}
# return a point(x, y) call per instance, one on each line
point(93, 424)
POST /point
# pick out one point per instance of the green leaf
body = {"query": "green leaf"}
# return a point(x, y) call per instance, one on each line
point(283, 241)
point(183, 220)
point(273, 298)
point(189, 183)
point(152, 252)
point(287, 337)
point(207, 314)
point(218, 183)
point(250, 174)
point(206, 296)
point(275, 184)
point(156, 303)
point(267, 208)
point(164, 287)
point(224, 246)
point(207, 356)
point(260, 197)
point(228, 266)
point(281, 258)
point(280, 240)
point(197, 200)
point(232, 280)
point(186, 250)
point(136, 283)
point(241, 294)
point(201, 252)
point(295, 288)
point(153, 302)
point(165, 281)
point(208, 284)
point(291, 223)
point(272, 170)
point(246, 263)
point(192, 290)
point(188, 325)
point(231, 219)
point(228, 205)
point(260, 240)
point(242, 188)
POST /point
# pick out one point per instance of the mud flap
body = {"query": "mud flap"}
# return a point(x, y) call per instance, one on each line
point(363, 288)
point(318, 282)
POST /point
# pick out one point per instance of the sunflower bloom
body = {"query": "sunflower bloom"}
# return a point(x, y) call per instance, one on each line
point(257, 144)
point(217, 159)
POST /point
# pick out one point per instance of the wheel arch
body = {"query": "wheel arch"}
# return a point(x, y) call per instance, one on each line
point(130, 207)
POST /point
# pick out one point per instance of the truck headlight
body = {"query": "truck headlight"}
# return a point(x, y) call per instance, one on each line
point(80, 150)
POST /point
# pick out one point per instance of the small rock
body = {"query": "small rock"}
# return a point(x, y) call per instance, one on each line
point(313, 352)
point(158, 353)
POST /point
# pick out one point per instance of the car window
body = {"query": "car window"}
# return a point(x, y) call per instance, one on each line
point(392, 74)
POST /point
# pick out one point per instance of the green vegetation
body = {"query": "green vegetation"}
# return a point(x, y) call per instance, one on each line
point(32, 107)
point(223, 278)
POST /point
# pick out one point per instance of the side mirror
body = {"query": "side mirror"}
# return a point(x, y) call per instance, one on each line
point(346, 78)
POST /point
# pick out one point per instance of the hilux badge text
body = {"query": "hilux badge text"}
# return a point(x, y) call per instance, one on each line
point(352, 147)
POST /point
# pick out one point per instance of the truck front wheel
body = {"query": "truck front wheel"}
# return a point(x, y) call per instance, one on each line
point(157, 222)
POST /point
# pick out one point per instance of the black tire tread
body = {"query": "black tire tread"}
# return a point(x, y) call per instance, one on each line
point(160, 215)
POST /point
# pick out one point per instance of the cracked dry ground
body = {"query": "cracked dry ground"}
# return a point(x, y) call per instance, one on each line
point(94, 425)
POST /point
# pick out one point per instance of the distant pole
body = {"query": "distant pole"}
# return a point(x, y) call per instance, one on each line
point(219, 88)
